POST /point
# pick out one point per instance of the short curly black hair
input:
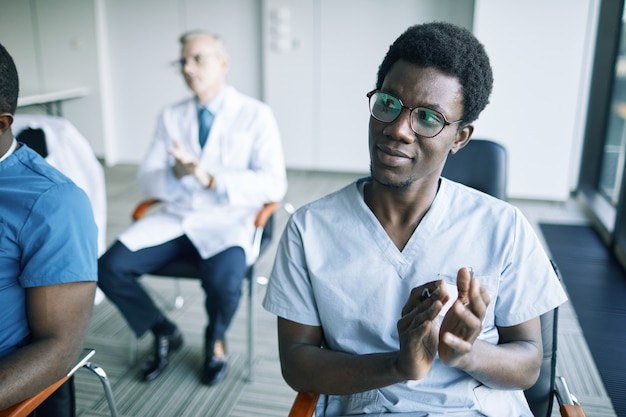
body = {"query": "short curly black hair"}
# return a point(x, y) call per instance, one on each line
point(9, 82)
point(451, 49)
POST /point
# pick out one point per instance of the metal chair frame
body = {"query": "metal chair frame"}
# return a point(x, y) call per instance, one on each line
point(24, 408)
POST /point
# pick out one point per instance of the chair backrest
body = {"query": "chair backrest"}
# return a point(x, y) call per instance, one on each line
point(540, 397)
point(63, 403)
point(34, 139)
point(482, 165)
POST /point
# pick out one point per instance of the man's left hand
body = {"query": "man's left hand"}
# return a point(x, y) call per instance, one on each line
point(462, 324)
point(186, 164)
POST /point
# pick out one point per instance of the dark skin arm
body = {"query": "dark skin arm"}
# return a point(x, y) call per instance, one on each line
point(308, 367)
point(58, 316)
point(512, 364)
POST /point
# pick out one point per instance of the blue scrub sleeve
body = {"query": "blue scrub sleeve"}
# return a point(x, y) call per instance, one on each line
point(59, 239)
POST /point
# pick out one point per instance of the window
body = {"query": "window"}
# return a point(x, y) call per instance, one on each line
point(612, 167)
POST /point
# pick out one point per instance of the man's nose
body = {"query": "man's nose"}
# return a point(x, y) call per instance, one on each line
point(400, 128)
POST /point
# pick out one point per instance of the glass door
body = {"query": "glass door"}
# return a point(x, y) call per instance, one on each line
point(602, 181)
point(612, 166)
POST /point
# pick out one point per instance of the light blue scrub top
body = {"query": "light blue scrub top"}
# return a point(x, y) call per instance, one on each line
point(337, 268)
point(48, 236)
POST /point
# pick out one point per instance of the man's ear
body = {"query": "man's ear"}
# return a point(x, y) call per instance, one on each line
point(6, 120)
point(462, 138)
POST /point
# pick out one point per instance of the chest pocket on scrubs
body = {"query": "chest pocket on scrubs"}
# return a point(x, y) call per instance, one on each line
point(363, 402)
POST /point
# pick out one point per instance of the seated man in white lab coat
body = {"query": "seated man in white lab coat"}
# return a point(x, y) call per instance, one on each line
point(215, 159)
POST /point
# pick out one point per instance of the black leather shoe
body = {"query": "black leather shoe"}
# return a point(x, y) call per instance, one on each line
point(163, 346)
point(214, 370)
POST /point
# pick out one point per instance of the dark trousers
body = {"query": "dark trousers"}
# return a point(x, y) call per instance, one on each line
point(221, 277)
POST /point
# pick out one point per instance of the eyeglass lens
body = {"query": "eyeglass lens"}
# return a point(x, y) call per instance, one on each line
point(196, 60)
point(425, 122)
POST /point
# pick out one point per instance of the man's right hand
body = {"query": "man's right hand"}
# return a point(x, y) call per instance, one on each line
point(185, 163)
point(418, 330)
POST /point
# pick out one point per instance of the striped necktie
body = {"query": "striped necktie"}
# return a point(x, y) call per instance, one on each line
point(205, 119)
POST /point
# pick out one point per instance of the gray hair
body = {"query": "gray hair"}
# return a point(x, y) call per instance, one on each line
point(219, 43)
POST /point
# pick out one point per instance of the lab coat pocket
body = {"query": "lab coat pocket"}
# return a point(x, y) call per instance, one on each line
point(236, 150)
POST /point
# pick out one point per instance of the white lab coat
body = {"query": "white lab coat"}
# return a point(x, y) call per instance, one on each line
point(70, 153)
point(243, 153)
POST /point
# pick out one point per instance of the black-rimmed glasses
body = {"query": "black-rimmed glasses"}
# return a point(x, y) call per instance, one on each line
point(426, 122)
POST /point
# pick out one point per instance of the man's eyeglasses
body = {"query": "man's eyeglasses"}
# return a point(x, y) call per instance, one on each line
point(425, 122)
point(198, 60)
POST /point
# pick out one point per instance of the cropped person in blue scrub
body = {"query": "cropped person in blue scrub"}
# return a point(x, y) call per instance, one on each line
point(405, 293)
point(48, 266)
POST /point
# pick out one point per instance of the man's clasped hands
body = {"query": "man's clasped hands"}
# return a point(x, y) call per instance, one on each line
point(422, 335)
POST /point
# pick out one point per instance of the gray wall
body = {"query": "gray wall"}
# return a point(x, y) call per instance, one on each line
point(541, 52)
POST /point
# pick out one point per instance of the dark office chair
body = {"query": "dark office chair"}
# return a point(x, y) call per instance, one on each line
point(482, 164)
point(26, 407)
point(35, 139)
point(188, 268)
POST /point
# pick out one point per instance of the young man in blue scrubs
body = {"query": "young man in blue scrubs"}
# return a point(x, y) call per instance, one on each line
point(48, 262)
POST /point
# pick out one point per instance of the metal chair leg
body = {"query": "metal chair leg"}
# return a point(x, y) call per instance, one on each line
point(179, 300)
point(251, 322)
point(133, 347)
point(171, 303)
point(104, 379)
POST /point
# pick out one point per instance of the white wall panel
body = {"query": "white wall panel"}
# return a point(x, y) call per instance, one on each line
point(354, 37)
point(540, 53)
point(291, 76)
point(18, 36)
point(330, 52)
point(54, 47)
point(142, 40)
point(70, 59)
